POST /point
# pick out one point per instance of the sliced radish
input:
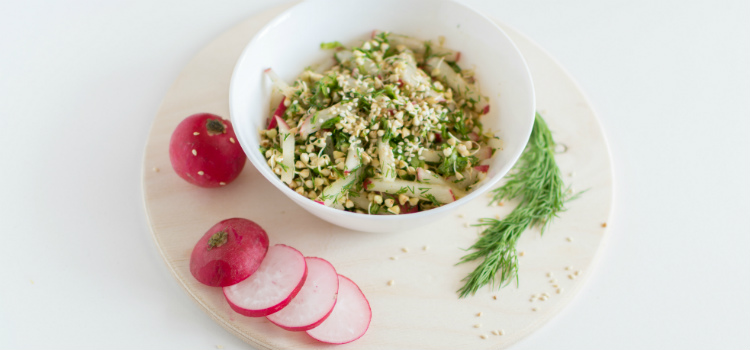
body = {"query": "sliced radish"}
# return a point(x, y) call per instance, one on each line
point(349, 319)
point(430, 155)
point(278, 279)
point(286, 138)
point(343, 56)
point(441, 193)
point(229, 252)
point(312, 123)
point(352, 159)
point(483, 154)
point(315, 300)
point(411, 75)
point(279, 112)
point(337, 189)
point(387, 161)
point(418, 46)
point(426, 176)
point(437, 68)
point(279, 84)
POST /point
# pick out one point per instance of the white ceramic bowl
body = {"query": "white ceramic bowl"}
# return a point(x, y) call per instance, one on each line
point(291, 42)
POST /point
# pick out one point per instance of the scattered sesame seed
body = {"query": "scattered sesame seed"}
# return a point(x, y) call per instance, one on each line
point(521, 253)
point(460, 215)
point(32, 281)
point(555, 286)
point(426, 247)
point(559, 290)
point(478, 325)
point(604, 224)
point(577, 272)
point(553, 281)
point(534, 309)
point(500, 204)
point(494, 297)
point(549, 274)
point(405, 250)
point(569, 239)
point(393, 258)
point(479, 314)
point(500, 332)
point(200, 172)
point(222, 183)
point(231, 139)
point(571, 277)
point(495, 332)
point(568, 268)
point(196, 133)
point(483, 336)
point(544, 298)
point(156, 170)
point(571, 174)
point(195, 153)
point(497, 216)
point(466, 224)
point(534, 296)
point(391, 282)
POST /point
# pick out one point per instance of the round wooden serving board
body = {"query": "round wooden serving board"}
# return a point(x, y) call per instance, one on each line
point(421, 310)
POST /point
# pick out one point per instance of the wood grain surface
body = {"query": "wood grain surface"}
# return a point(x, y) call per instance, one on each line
point(421, 310)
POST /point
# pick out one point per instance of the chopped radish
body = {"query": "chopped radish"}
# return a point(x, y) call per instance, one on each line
point(431, 155)
point(315, 300)
point(457, 83)
point(203, 151)
point(286, 138)
point(349, 319)
point(343, 56)
point(387, 161)
point(419, 46)
point(368, 66)
point(279, 84)
point(484, 154)
point(426, 176)
point(332, 194)
point(228, 253)
point(312, 123)
point(278, 279)
point(441, 193)
point(279, 112)
point(352, 159)
point(411, 75)
point(470, 177)
point(482, 168)
point(360, 201)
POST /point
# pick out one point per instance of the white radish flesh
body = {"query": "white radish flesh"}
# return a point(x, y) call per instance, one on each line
point(437, 68)
point(352, 159)
point(349, 319)
point(312, 123)
point(441, 193)
point(430, 155)
point(418, 46)
point(315, 300)
point(429, 177)
point(279, 84)
point(286, 138)
point(331, 195)
point(278, 279)
point(387, 161)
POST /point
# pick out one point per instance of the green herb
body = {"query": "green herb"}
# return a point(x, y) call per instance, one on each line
point(539, 185)
point(331, 45)
point(454, 66)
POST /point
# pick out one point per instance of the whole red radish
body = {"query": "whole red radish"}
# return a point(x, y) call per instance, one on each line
point(229, 252)
point(204, 151)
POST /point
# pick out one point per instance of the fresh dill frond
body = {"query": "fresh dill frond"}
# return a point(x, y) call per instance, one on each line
point(536, 180)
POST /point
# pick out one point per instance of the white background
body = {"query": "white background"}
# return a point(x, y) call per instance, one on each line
point(81, 80)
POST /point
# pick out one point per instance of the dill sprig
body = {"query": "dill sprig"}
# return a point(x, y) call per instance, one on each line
point(537, 182)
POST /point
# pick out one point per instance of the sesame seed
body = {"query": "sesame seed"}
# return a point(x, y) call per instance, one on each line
point(200, 172)
point(195, 153)
point(426, 247)
point(521, 253)
point(559, 290)
point(494, 297)
point(495, 332)
point(553, 281)
point(231, 139)
point(460, 215)
point(500, 204)
point(569, 239)
point(196, 133)
point(405, 250)
point(478, 325)
point(555, 286)
point(571, 277)
point(156, 170)
point(500, 332)
point(479, 314)
point(222, 183)
point(466, 224)
point(483, 336)
point(604, 224)
point(577, 272)
point(534, 309)
point(568, 268)
point(393, 258)
point(391, 282)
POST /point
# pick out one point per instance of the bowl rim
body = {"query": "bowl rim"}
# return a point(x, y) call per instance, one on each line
point(276, 181)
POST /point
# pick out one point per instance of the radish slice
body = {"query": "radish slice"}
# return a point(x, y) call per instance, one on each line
point(431, 156)
point(336, 190)
point(442, 194)
point(437, 68)
point(419, 46)
point(387, 161)
point(352, 159)
point(279, 112)
point(312, 123)
point(426, 176)
point(315, 300)
point(350, 317)
point(229, 252)
point(278, 279)
point(286, 138)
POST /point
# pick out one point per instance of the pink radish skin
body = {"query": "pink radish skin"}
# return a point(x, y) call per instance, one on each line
point(229, 252)
point(276, 282)
point(315, 300)
point(350, 318)
point(278, 113)
point(204, 151)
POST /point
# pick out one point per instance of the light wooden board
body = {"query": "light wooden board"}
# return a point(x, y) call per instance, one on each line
point(421, 311)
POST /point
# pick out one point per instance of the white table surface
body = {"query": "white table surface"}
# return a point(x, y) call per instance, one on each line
point(81, 80)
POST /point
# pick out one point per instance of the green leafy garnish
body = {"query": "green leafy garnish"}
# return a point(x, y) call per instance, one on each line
point(537, 182)
point(331, 45)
